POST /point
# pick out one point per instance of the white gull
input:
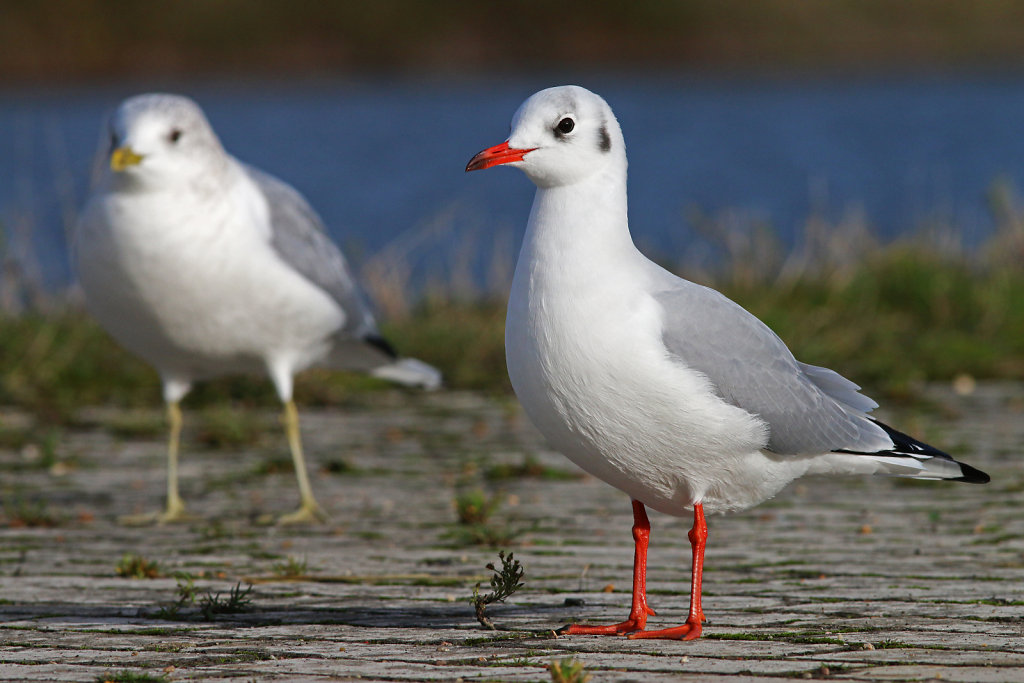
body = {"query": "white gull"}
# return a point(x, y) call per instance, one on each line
point(663, 388)
point(204, 266)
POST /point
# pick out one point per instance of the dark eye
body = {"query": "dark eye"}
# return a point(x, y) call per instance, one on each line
point(175, 135)
point(565, 126)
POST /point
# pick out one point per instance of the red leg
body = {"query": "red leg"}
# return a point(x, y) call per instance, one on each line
point(691, 629)
point(639, 611)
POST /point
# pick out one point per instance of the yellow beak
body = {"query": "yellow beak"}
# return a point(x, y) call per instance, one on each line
point(123, 157)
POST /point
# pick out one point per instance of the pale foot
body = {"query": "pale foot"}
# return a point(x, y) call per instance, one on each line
point(174, 514)
point(308, 513)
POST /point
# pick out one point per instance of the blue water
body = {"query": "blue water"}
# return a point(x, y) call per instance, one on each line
point(380, 160)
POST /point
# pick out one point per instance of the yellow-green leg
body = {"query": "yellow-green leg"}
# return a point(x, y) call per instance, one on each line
point(175, 510)
point(309, 510)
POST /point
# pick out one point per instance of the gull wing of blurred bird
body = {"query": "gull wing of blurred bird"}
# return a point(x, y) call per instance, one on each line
point(300, 239)
point(204, 266)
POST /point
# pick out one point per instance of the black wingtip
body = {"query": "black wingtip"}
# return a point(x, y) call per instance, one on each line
point(972, 475)
point(382, 344)
point(904, 443)
point(910, 445)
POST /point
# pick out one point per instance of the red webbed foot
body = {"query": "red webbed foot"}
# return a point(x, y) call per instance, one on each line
point(689, 631)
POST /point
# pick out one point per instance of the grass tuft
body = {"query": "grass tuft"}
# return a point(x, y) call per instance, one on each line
point(236, 602)
point(132, 566)
point(129, 676)
point(474, 510)
point(291, 568)
point(568, 670)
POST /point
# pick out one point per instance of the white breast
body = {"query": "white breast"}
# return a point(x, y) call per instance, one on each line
point(586, 359)
point(195, 287)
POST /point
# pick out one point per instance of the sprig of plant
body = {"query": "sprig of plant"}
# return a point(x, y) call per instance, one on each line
point(238, 600)
point(132, 566)
point(186, 596)
point(568, 670)
point(504, 583)
point(290, 568)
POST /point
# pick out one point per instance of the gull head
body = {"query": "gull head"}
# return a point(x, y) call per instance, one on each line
point(560, 136)
point(162, 140)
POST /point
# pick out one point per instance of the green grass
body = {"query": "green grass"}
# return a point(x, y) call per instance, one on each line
point(568, 670)
point(291, 567)
point(901, 316)
point(128, 676)
point(476, 523)
point(465, 340)
point(529, 468)
point(886, 317)
point(236, 602)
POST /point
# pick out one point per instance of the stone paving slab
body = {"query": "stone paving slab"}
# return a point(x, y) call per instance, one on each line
point(836, 579)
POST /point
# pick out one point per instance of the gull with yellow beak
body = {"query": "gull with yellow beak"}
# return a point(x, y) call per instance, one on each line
point(204, 266)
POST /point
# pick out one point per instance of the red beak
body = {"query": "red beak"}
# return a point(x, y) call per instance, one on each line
point(493, 156)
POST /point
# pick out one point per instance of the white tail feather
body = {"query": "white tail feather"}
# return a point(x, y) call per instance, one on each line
point(410, 372)
point(919, 468)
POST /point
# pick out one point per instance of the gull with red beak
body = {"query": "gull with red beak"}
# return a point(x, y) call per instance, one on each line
point(663, 388)
point(204, 266)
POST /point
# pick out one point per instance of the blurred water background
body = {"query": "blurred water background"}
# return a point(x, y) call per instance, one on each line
point(382, 160)
point(823, 163)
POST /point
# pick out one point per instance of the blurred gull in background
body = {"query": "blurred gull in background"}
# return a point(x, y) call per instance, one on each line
point(204, 266)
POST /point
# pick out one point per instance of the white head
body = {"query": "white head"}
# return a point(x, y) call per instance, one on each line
point(560, 136)
point(161, 140)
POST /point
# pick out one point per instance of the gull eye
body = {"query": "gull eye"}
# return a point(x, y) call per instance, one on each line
point(565, 126)
point(175, 135)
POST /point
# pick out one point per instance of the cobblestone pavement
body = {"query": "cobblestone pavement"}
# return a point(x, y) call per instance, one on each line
point(842, 579)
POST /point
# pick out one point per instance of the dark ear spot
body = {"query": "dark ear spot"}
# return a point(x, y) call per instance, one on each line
point(606, 140)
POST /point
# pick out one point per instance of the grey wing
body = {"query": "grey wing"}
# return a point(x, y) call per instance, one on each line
point(808, 409)
point(299, 238)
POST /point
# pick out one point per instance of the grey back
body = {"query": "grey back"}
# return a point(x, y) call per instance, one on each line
point(809, 410)
point(299, 237)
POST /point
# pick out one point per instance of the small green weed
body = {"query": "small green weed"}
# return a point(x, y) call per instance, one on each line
point(529, 468)
point(889, 644)
point(29, 513)
point(134, 566)
point(568, 670)
point(237, 601)
point(277, 464)
point(340, 466)
point(290, 568)
point(186, 591)
point(504, 583)
point(473, 510)
point(475, 507)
